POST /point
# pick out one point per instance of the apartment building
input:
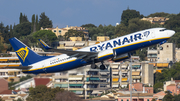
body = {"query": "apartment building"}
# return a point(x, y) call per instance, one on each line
point(142, 72)
point(83, 81)
point(163, 54)
point(10, 74)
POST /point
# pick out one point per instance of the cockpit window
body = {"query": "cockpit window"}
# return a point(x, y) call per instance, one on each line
point(162, 30)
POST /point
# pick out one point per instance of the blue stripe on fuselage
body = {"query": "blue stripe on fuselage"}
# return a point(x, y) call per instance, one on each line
point(62, 67)
point(129, 48)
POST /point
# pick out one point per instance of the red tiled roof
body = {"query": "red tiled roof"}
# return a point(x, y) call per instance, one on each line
point(8, 91)
point(41, 81)
point(177, 81)
point(172, 85)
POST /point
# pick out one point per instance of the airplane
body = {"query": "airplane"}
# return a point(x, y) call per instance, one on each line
point(115, 49)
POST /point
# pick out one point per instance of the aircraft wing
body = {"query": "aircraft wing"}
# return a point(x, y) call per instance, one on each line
point(18, 67)
point(79, 54)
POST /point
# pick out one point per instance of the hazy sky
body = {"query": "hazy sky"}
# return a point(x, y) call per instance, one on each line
point(79, 12)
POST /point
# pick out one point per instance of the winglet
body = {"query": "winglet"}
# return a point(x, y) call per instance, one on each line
point(44, 44)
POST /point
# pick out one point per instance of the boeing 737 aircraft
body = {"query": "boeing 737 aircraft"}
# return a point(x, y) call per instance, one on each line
point(116, 49)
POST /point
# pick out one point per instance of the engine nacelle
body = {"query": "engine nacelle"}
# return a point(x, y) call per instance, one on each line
point(106, 54)
point(121, 57)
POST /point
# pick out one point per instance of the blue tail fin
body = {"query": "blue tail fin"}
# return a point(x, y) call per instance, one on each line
point(24, 53)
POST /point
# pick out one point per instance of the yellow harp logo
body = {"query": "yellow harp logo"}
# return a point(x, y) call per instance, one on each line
point(23, 52)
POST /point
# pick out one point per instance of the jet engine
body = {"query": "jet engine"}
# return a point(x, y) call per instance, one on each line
point(121, 57)
point(106, 54)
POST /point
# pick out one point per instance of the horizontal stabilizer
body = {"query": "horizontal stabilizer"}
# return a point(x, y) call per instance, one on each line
point(68, 52)
point(44, 44)
point(18, 67)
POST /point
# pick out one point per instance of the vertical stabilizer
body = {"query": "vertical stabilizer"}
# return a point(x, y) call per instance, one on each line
point(24, 53)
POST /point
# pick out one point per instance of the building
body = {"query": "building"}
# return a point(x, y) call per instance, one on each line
point(147, 74)
point(11, 95)
point(32, 82)
point(159, 96)
point(136, 97)
point(153, 20)
point(61, 31)
point(164, 53)
point(152, 55)
point(10, 74)
point(102, 38)
point(84, 81)
point(173, 86)
point(3, 85)
point(141, 88)
point(115, 77)
point(77, 43)
point(142, 72)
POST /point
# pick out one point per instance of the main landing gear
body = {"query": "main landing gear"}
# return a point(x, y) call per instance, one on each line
point(94, 66)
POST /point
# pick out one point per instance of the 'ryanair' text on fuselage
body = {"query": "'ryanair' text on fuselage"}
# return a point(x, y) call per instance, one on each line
point(119, 42)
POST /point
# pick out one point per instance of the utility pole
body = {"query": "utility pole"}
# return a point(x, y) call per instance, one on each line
point(131, 80)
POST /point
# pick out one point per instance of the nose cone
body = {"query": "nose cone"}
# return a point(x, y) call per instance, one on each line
point(171, 33)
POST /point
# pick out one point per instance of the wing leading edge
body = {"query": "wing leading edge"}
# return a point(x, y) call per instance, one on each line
point(79, 54)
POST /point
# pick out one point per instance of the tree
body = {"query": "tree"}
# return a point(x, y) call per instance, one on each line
point(129, 14)
point(121, 30)
point(33, 25)
point(73, 33)
point(46, 35)
point(20, 18)
point(23, 18)
point(22, 29)
point(153, 99)
point(177, 97)
point(42, 93)
point(168, 97)
point(173, 23)
point(44, 21)
point(67, 96)
point(135, 24)
point(88, 25)
point(37, 23)
point(158, 14)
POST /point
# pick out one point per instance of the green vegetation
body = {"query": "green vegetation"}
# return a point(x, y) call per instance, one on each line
point(42, 93)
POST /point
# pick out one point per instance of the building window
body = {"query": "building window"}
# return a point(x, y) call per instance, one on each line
point(121, 99)
point(54, 30)
point(59, 31)
point(127, 100)
point(147, 99)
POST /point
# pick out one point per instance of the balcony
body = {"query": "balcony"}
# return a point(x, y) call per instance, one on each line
point(60, 76)
point(100, 88)
point(124, 83)
point(136, 77)
point(76, 88)
point(152, 55)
